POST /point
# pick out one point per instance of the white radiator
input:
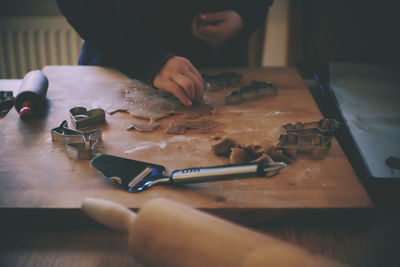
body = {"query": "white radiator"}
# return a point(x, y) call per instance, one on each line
point(28, 43)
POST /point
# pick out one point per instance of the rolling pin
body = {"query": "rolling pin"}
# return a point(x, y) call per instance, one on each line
point(167, 233)
point(31, 96)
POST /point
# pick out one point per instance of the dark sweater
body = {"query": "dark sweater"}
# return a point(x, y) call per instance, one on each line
point(137, 37)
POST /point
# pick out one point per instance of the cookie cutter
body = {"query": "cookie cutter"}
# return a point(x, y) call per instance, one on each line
point(82, 151)
point(6, 101)
point(316, 145)
point(226, 79)
point(323, 126)
point(255, 90)
point(82, 118)
point(79, 145)
point(314, 138)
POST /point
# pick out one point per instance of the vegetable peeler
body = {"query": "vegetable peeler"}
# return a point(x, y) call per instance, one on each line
point(135, 176)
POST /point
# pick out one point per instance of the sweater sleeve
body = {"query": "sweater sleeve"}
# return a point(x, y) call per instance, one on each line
point(102, 24)
point(253, 13)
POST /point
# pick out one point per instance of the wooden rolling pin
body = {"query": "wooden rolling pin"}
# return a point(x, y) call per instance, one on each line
point(166, 233)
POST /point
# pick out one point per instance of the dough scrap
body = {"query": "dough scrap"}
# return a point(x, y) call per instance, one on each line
point(238, 153)
point(147, 103)
point(150, 127)
point(152, 104)
point(180, 126)
point(117, 107)
point(195, 111)
point(279, 154)
point(224, 147)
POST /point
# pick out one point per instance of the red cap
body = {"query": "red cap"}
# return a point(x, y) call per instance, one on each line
point(25, 113)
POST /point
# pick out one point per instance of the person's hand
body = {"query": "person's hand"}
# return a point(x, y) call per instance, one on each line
point(179, 77)
point(216, 28)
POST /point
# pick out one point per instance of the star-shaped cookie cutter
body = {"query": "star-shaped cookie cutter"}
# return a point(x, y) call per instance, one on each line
point(79, 145)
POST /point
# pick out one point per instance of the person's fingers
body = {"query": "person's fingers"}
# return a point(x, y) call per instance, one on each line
point(178, 91)
point(209, 33)
point(181, 78)
point(216, 28)
point(195, 26)
point(167, 84)
point(197, 79)
point(186, 84)
point(198, 86)
point(196, 73)
point(212, 18)
point(181, 95)
point(209, 30)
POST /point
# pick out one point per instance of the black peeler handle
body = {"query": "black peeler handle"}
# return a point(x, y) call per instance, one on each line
point(205, 174)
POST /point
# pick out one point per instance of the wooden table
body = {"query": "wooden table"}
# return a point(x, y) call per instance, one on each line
point(41, 185)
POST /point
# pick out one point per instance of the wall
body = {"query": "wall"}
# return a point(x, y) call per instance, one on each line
point(275, 52)
point(28, 8)
point(34, 34)
point(356, 31)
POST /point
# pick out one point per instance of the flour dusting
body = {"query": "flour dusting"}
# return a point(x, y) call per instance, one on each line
point(145, 145)
point(274, 113)
point(182, 138)
point(307, 175)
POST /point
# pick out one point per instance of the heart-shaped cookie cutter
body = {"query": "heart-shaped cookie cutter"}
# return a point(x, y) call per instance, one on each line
point(82, 118)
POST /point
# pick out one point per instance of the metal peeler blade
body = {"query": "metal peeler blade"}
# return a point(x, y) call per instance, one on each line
point(136, 176)
point(122, 172)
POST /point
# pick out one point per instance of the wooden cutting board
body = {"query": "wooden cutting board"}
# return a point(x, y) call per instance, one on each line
point(36, 173)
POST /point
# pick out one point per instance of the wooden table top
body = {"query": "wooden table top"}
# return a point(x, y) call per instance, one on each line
point(98, 246)
point(36, 173)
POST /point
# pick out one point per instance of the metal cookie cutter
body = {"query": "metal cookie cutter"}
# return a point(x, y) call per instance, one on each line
point(314, 138)
point(323, 126)
point(79, 145)
point(253, 91)
point(316, 145)
point(226, 79)
point(6, 101)
point(82, 118)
